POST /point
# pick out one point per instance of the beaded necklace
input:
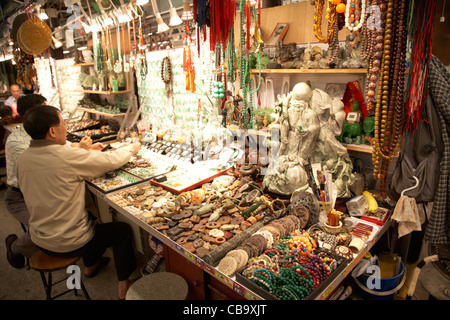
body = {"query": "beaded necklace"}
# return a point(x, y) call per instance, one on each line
point(350, 19)
point(389, 108)
point(142, 55)
point(331, 18)
point(118, 64)
point(245, 70)
point(373, 52)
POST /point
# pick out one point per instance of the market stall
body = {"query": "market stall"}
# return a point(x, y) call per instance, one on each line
point(267, 141)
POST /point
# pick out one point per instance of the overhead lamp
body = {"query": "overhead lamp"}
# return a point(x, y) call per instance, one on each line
point(86, 27)
point(174, 18)
point(42, 14)
point(141, 2)
point(162, 26)
point(122, 16)
point(187, 13)
point(107, 20)
point(57, 43)
point(252, 3)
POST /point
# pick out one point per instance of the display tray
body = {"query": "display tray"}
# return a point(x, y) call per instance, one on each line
point(174, 184)
point(80, 135)
point(342, 264)
point(146, 172)
point(122, 180)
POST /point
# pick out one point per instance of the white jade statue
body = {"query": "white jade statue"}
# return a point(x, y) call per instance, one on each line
point(308, 122)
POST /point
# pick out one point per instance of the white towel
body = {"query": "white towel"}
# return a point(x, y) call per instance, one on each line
point(406, 213)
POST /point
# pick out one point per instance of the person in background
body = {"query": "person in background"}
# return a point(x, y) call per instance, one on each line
point(52, 179)
point(16, 93)
point(6, 117)
point(17, 248)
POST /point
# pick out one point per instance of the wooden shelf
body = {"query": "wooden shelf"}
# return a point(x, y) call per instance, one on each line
point(102, 113)
point(313, 71)
point(359, 148)
point(103, 92)
point(85, 64)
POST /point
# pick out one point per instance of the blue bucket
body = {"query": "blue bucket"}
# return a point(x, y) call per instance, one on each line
point(388, 286)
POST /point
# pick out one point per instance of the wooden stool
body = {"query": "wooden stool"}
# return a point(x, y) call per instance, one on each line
point(158, 286)
point(43, 262)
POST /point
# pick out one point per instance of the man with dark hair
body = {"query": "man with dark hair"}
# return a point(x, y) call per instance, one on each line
point(52, 178)
point(16, 92)
point(17, 248)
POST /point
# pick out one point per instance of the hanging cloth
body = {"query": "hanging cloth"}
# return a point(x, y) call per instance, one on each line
point(406, 213)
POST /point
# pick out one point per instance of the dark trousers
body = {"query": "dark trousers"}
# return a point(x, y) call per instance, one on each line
point(117, 235)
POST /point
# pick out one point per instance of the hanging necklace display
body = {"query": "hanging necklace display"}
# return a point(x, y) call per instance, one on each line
point(142, 57)
point(126, 63)
point(133, 50)
point(188, 64)
point(166, 77)
point(350, 18)
point(245, 67)
point(98, 53)
point(118, 64)
point(333, 46)
point(219, 79)
point(231, 58)
point(112, 53)
point(389, 111)
point(372, 50)
point(331, 18)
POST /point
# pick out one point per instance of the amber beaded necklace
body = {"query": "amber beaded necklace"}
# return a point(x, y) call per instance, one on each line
point(331, 18)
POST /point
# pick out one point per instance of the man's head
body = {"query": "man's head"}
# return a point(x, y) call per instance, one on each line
point(15, 90)
point(6, 113)
point(45, 122)
point(27, 102)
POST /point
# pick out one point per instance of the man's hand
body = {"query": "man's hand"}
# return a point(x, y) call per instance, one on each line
point(86, 143)
point(136, 146)
point(97, 146)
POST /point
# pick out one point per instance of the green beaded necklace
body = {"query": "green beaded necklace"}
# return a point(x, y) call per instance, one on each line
point(245, 67)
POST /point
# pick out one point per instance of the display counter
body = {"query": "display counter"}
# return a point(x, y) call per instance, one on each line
point(216, 279)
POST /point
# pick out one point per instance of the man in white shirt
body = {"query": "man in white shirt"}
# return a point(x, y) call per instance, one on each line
point(16, 92)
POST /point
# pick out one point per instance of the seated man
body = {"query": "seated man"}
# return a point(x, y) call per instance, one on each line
point(17, 248)
point(52, 179)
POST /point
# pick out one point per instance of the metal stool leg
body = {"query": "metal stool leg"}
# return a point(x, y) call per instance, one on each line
point(47, 284)
point(84, 290)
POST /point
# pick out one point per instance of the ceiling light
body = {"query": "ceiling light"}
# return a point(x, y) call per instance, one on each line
point(141, 2)
point(57, 43)
point(82, 48)
point(162, 26)
point(43, 15)
point(174, 18)
point(66, 51)
point(187, 13)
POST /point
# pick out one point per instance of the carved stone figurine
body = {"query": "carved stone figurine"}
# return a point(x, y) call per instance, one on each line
point(308, 123)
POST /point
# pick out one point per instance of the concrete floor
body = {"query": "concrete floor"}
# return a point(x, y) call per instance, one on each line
point(26, 284)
